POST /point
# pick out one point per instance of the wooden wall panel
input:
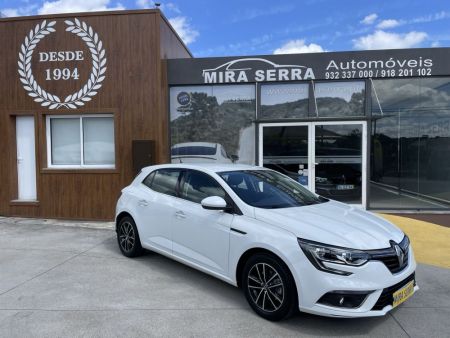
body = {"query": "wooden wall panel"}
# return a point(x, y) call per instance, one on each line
point(135, 91)
point(172, 47)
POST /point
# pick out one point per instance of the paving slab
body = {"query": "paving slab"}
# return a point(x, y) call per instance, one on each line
point(193, 323)
point(434, 284)
point(107, 248)
point(18, 266)
point(149, 282)
point(424, 322)
point(50, 237)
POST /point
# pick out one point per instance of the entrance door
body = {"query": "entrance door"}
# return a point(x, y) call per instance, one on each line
point(26, 158)
point(286, 148)
point(328, 158)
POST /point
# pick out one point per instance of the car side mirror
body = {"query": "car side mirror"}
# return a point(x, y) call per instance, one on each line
point(214, 203)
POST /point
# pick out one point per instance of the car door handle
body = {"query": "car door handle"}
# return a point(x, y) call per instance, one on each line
point(143, 203)
point(180, 214)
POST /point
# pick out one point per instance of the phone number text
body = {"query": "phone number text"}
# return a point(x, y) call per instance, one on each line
point(352, 74)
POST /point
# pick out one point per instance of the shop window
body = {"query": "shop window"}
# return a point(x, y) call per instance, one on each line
point(213, 124)
point(82, 141)
point(339, 99)
point(410, 160)
point(394, 94)
point(283, 101)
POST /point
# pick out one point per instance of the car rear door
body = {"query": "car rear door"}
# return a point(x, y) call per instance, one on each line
point(201, 236)
point(156, 208)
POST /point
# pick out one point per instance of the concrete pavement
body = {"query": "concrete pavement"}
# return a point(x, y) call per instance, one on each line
point(73, 282)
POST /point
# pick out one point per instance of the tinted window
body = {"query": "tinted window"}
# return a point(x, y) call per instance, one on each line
point(284, 101)
point(165, 181)
point(411, 160)
point(220, 114)
point(340, 98)
point(394, 94)
point(194, 150)
point(198, 185)
point(148, 180)
point(269, 189)
point(410, 152)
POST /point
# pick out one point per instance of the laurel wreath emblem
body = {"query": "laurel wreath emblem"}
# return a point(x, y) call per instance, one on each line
point(94, 83)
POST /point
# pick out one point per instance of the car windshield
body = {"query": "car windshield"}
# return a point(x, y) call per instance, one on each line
point(269, 189)
point(194, 150)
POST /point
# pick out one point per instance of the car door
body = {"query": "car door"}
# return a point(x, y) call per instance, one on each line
point(201, 236)
point(156, 202)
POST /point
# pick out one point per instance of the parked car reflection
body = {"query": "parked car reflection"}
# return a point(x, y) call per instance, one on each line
point(195, 152)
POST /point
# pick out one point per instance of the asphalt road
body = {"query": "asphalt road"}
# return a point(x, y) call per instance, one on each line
point(60, 281)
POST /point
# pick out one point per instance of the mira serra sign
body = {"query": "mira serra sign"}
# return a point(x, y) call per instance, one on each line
point(71, 60)
point(394, 63)
point(256, 70)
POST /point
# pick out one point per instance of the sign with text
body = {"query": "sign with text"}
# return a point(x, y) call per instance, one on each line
point(35, 65)
point(398, 63)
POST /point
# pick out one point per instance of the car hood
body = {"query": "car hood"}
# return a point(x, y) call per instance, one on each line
point(334, 223)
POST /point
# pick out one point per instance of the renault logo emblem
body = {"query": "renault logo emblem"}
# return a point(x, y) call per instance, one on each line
point(400, 254)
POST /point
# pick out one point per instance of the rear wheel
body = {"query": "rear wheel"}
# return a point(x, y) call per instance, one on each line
point(269, 287)
point(128, 238)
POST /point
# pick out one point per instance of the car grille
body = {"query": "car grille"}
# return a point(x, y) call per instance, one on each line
point(387, 298)
point(389, 257)
point(392, 263)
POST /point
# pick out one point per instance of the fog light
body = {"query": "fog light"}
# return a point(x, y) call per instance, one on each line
point(344, 299)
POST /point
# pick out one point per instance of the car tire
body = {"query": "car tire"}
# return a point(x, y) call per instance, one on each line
point(128, 238)
point(269, 287)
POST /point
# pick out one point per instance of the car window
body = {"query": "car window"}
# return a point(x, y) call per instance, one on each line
point(224, 153)
point(193, 150)
point(148, 180)
point(198, 185)
point(269, 189)
point(164, 181)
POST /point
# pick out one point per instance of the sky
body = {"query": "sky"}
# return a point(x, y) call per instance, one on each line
point(233, 27)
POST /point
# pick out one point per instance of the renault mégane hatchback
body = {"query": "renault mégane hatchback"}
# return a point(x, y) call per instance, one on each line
point(287, 248)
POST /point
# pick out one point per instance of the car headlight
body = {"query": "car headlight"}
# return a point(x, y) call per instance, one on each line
point(319, 253)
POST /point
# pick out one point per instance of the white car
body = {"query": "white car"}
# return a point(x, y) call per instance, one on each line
point(200, 152)
point(257, 229)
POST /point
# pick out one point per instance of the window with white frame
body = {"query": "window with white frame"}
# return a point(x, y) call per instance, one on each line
point(80, 141)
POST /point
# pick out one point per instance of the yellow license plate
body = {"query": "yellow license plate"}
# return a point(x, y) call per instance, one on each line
point(403, 294)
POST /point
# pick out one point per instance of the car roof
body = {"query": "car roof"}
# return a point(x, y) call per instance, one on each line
point(212, 167)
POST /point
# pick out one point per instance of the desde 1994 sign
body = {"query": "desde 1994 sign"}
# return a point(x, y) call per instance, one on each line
point(87, 90)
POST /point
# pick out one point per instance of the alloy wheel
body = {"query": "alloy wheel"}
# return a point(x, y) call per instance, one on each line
point(127, 237)
point(265, 287)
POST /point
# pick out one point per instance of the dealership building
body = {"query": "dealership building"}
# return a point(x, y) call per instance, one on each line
point(88, 99)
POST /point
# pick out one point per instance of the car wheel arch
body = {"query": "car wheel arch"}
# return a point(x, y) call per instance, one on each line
point(251, 252)
point(122, 215)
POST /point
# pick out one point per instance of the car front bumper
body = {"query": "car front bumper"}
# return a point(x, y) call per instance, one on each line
point(373, 277)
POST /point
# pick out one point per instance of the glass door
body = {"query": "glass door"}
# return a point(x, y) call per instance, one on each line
point(328, 158)
point(287, 149)
point(339, 161)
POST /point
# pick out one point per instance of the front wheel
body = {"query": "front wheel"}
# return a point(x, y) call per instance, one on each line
point(269, 287)
point(128, 238)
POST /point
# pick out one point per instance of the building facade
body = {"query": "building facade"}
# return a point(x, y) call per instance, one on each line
point(86, 100)
point(369, 128)
point(82, 104)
